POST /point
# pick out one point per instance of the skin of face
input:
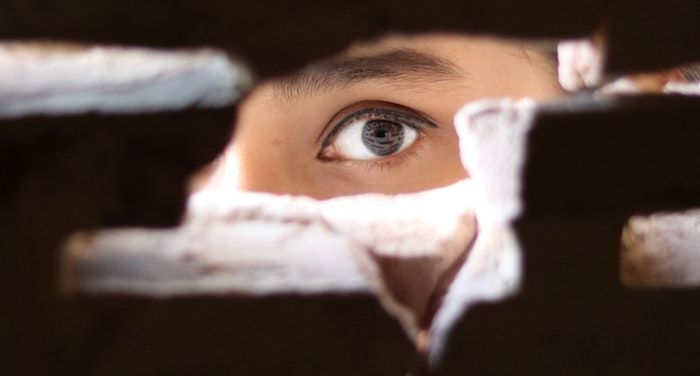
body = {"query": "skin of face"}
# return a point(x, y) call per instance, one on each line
point(284, 140)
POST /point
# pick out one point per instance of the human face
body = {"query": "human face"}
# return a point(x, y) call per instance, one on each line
point(377, 117)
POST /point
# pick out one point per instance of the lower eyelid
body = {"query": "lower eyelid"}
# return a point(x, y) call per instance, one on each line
point(412, 152)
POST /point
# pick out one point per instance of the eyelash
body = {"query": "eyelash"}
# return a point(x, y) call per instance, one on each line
point(417, 122)
point(381, 163)
point(382, 111)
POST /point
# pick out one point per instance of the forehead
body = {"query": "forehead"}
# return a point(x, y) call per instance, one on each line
point(391, 61)
point(398, 58)
point(435, 62)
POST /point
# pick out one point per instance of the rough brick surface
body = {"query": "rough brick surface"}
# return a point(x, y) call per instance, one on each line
point(662, 250)
point(59, 79)
point(580, 183)
point(278, 37)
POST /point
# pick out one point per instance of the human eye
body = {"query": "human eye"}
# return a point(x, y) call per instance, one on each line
point(375, 131)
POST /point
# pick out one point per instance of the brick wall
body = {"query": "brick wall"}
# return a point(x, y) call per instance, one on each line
point(121, 155)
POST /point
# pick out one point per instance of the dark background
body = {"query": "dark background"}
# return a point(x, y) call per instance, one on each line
point(82, 172)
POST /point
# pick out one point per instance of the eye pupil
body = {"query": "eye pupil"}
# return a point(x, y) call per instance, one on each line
point(382, 137)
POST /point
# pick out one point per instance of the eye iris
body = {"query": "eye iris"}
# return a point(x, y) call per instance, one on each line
point(382, 137)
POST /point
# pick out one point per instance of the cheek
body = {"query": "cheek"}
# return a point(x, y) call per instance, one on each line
point(444, 156)
point(259, 165)
point(434, 163)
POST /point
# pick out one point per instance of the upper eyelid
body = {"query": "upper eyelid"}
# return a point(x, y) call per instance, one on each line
point(385, 111)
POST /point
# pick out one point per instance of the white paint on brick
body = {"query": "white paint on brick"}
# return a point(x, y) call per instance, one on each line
point(251, 258)
point(493, 137)
point(492, 140)
point(581, 63)
point(62, 79)
point(661, 250)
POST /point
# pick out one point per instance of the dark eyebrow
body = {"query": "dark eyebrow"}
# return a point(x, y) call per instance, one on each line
point(394, 66)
